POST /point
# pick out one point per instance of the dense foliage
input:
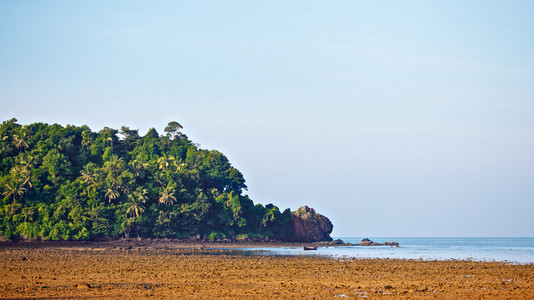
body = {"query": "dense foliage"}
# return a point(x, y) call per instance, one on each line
point(72, 183)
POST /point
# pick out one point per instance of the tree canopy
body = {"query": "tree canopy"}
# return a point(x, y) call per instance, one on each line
point(70, 183)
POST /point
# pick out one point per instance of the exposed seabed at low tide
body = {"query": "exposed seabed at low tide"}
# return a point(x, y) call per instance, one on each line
point(170, 270)
point(194, 272)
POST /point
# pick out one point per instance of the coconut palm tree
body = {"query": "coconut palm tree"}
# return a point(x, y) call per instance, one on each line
point(112, 171)
point(179, 165)
point(141, 194)
point(26, 178)
point(111, 191)
point(23, 169)
point(87, 139)
point(88, 174)
point(20, 139)
point(110, 140)
point(115, 166)
point(167, 196)
point(159, 177)
point(14, 190)
point(135, 203)
point(26, 160)
point(165, 161)
point(139, 168)
point(135, 208)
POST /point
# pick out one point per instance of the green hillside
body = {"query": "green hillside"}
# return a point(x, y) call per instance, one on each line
point(70, 183)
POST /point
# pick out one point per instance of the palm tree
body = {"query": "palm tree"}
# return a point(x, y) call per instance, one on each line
point(165, 161)
point(110, 140)
point(135, 203)
point(141, 194)
point(115, 165)
point(159, 178)
point(112, 170)
point(179, 165)
point(86, 138)
point(88, 176)
point(26, 160)
point(109, 135)
point(167, 196)
point(139, 168)
point(26, 178)
point(20, 140)
point(14, 190)
point(23, 169)
point(111, 192)
point(135, 208)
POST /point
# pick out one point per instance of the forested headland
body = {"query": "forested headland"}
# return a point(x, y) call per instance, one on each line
point(70, 183)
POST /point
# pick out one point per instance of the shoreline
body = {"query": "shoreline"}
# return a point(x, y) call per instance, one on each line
point(244, 246)
point(155, 243)
point(197, 273)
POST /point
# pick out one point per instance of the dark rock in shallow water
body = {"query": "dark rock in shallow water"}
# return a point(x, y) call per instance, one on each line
point(365, 242)
point(309, 226)
point(368, 242)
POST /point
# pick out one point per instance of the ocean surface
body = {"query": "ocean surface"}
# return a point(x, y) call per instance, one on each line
point(512, 250)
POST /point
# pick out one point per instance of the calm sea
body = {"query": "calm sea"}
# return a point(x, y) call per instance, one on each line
point(513, 250)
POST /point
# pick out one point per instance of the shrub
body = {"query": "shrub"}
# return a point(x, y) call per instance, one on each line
point(216, 235)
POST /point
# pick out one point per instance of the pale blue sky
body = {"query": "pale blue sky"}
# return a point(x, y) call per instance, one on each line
point(392, 118)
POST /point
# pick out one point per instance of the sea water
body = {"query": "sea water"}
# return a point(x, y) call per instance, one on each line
point(512, 250)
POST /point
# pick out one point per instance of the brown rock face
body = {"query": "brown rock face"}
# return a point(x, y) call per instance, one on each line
point(309, 226)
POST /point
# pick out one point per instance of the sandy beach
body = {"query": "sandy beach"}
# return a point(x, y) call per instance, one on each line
point(178, 270)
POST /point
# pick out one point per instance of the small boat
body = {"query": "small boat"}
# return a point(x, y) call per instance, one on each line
point(310, 248)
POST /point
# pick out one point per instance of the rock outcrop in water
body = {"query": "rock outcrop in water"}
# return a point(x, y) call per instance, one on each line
point(309, 226)
point(368, 242)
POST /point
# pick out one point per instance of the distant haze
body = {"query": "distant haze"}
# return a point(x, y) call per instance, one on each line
point(392, 118)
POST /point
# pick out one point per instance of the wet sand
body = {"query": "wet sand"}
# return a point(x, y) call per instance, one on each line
point(170, 270)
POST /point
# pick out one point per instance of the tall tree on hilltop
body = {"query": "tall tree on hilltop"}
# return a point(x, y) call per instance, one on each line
point(109, 135)
point(130, 137)
point(87, 138)
point(173, 130)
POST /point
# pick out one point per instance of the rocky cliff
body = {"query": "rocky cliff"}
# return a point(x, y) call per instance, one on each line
point(309, 226)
